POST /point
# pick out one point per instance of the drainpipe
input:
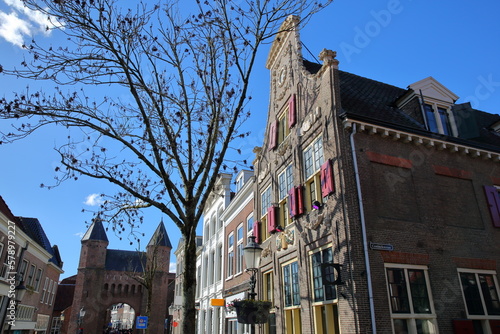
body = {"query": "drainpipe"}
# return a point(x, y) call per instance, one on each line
point(363, 230)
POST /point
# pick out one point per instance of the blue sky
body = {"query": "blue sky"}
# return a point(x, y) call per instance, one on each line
point(397, 42)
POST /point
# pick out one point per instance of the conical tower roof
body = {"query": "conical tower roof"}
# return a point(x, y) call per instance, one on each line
point(96, 231)
point(160, 237)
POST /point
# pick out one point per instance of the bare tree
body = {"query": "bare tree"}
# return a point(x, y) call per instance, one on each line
point(185, 79)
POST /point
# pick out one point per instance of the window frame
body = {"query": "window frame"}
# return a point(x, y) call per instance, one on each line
point(312, 173)
point(477, 272)
point(265, 204)
point(312, 253)
point(249, 224)
point(230, 255)
point(411, 317)
point(285, 184)
point(435, 115)
point(239, 249)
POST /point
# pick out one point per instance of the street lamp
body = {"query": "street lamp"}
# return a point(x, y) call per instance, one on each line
point(252, 252)
point(81, 314)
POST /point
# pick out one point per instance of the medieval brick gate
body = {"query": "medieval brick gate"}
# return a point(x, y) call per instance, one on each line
point(107, 277)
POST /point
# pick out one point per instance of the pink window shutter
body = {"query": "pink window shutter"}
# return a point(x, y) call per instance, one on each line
point(271, 219)
point(256, 231)
point(493, 199)
point(273, 135)
point(327, 184)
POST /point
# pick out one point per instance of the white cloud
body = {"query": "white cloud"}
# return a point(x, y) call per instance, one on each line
point(93, 200)
point(79, 234)
point(173, 267)
point(13, 29)
point(21, 24)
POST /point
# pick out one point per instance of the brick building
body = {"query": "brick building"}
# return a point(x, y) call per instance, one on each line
point(28, 260)
point(377, 206)
point(109, 277)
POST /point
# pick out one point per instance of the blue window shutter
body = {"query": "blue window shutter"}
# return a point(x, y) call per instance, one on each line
point(493, 203)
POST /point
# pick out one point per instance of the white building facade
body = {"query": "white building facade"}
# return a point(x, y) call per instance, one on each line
point(210, 259)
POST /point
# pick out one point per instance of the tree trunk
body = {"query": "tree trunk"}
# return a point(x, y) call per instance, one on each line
point(188, 323)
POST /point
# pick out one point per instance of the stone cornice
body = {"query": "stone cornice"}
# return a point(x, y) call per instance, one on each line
point(416, 139)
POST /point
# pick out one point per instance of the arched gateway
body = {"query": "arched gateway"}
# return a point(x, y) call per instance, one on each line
point(107, 277)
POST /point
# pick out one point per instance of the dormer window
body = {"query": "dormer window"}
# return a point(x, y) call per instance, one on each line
point(434, 105)
point(438, 119)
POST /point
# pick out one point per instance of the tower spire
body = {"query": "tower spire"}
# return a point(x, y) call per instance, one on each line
point(160, 237)
point(96, 231)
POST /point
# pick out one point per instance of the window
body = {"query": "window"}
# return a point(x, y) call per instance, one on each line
point(412, 310)
point(438, 119)
point(239, 249)
point(280, 128)
point(250, 223)
point(38, 278)
point(230, 255)
point(211, 268)
point(480, 292)
point(239, 183)
point(292, 298)
point(285, 183)
point(53, 293)
point(3, 270)
point(207, 230)
point(325, 311)
point(265, 201)
point(322, 292)
point(219, 217)
point(265, 205)
point(31, 275)
point(268, 286)
point(213, 225)
point(313, 159)
point(22, 270)
point(283, 130)
point(45, 286)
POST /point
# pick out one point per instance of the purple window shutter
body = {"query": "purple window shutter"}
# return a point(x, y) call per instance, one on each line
point(273, 135)
point(493, 203)
point(292, 112)
point(292, 201)
point(271, 219)
point(327, 185)
point(256, 231)
point(300, 200)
